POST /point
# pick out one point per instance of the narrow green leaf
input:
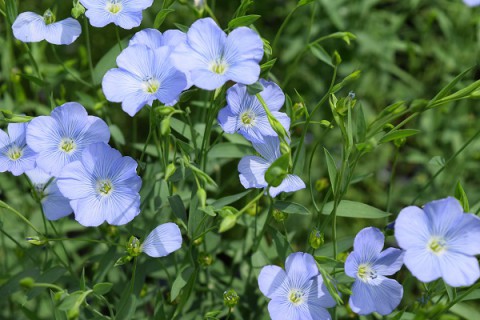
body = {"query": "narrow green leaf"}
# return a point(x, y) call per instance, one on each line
point(178, 208)
point(107, 62)
point(11, 8)
point(398, 134)
point(180, 281)
point(448, 88)
point(291, 207)
point(228, 150)
point(353, 209)
point(222, 202)
point(160, 17)
point(102, 288)
point(332, 169)
point(304, 2)
point(462, 197)
point(322, 55)
point(243, 21)
point(117, 134)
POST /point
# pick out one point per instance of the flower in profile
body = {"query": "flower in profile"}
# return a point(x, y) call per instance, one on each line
point(54, 204)
point(472, 3)
point(31, 27)
point(15, 155)
point(61, 137)
point(252, 168)
point(163, 240)
point(298, 293)
point(212, 58)
point(126, 14)
point(144, 75)
point(368, 264)
point(440, 241)
point(244, 113)
point(102, 186)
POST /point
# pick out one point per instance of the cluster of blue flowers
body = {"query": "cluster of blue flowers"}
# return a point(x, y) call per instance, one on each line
point(438, 241)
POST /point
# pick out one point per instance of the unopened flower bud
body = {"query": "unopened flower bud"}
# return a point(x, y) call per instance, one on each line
point(164, 111)
point(279, 216)
point(133, 247)
point(321, 184)
point(230, 298)
point(27, 282)
point(165, 127)
point(316, 239)
point(205, 259)
point(37, 241)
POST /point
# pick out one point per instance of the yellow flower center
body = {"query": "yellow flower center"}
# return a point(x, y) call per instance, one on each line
point(366, 272)
point(151, 85)
point(114, 6)
point(437, 245)
point(14, 153)
point(104, 187)
point(218, 66)
point(67, 145)
point(296, 296)
point(248, 118)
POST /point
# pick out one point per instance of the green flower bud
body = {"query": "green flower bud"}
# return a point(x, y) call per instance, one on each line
point(399, 142)
point(134, 247)
point(230, 298)
point(279, 216)
point(228, 222)
point(202, 197)
point(316, 239)
point(164, 111)
point(48, 17)
point(336, 59)
point(171, 168)
point(77, 9)
point(37, 241)
point(321, 184)
point(205, 259)
point(198, 241)
point(27, 282)
point(165, 127)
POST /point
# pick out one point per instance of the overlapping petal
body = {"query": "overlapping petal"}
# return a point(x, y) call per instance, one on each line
point(163, 240)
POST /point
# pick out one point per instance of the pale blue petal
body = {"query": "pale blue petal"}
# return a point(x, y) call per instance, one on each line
point(206, 79)
point(300, 268)
point(24, 163)
point(137, 4)
point(118, 84)
point(38, 176)
point(88, 211)
point(17, 133)
point(422, 263)
point(283, 118)
point(151, 38)
point(98, 16)
point(457, 269)
point(272, 94)
point(172, 81)
point(389, 261)
point(227, 120)
point(206, 38)
point(246, 72)
point(55, 205)
point(383, 297)
point(74, 182)
point(97, 131)
point(443, 215)
point(173, 38)
point(368, 243)
point(252, 171)
point(163, 240)
point(29, 27)
point(270, 150)
point(238, 99)
point(186, 60)
point(465, 236)
point(138, 60)
point(319, 294)
point(271, 281)
point(135, 102)
point(128, 19)
point(4, 139)
point(63, 32)
point(122, 206)
point(411, 228)
point(90, 4)
point(283, 309)
point(243, 44)
point(351, 264)
point(472, 3)
point(291, 183)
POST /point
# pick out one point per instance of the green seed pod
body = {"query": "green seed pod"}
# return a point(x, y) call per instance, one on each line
point(164, 111)
point(165, 127)
point(230, 298)
point(48, 17)
point(202, 197)
point(27, 282)
point(205, 259)
point(134, 247)
point(316, 239)
point(279, 216)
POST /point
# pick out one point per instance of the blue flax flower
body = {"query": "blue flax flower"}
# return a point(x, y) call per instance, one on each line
point(31, 27)
point(102, 185)
point(126, 14)
point(15, 155)
point(54, 204)
point(244, 113)
point(252, 168)
point(212, 58)
point(298, 293)
point(472, 3)
point(368, 264)
point(163, 240)
point(154, 39)
point(440, 241)
point(61, 137)
point(144, 75)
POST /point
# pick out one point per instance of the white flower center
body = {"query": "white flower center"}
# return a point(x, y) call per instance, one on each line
point(219, 66)
point(104, 187)
point(150, 85)
point(114, 6)
point(296, 296)
point(14, 153)
point(67, 145)
point(366, 273)
point(437, 245)
point(248, 118)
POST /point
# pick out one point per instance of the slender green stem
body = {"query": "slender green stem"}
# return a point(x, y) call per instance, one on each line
point(254, 200)
point(456, 300)
point(392, 178)
point(132, 282)
point(34, 63)
point(89, 49)
point(47, 285)
point(21, 216)
point(67, 70)
point(118, 38)
point(280, 30)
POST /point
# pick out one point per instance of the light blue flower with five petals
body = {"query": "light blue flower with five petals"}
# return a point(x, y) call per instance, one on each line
point(126, 14)
point(15, 155)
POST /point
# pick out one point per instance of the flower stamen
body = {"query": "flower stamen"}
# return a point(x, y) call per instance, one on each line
point(114, 6)
point(104, 187)
point(248, 118)
point(366, 273)
point(437, 245)
point(151, 85)
point(218, 66)
point(67, 145)
point(14, 153)
point(296, 296)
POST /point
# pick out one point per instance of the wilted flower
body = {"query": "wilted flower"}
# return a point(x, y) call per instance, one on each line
point(61, 137)
point(54, 204)
point(212, 58)
point(440, 241)
point(15, 155)
point(102, 186)
point(244, 113)
point(298, 293)
point(252, 169)
point(368, 264)
point(144, 75)
point(31, 27)
point(126, 14)
point(163, 240)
